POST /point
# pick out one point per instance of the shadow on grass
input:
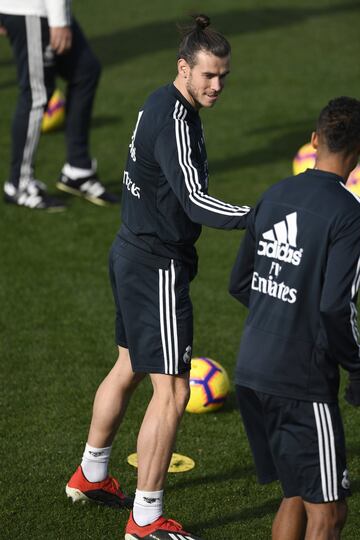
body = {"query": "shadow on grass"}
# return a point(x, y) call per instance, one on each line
point(279, 148)
point(105, 120)
point(125, 44)
point(242, 514)
point(7, 62)
point(8, 84)
point(235, 473)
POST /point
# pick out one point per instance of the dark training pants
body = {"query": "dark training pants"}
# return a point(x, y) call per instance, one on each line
point(37, 67)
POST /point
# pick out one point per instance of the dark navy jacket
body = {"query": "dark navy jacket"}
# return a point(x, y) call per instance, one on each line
point(165, 192)
point(298, 272)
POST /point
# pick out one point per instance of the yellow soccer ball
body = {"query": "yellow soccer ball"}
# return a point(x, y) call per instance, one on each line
point(209, 385)
point(353, 182)
point(54, 116)
point(304, 159)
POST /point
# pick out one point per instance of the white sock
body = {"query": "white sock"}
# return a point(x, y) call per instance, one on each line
point(148, 506)
point(75, 172)
point(95, 463)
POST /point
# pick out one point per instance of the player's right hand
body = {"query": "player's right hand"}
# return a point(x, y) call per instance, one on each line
point(60, 39)
point(3, 31)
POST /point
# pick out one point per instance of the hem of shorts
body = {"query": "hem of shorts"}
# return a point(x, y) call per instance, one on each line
point(340, 498)
point(157, 370)
point(122, 344)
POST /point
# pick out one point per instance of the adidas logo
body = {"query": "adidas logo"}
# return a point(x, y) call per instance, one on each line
point(280, 242)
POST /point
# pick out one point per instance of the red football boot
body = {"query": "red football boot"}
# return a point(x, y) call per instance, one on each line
point(161, 529)
point(106, 492)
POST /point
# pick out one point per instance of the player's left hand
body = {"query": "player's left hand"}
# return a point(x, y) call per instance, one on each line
point(3, 31)
point(352, 392)
point(60, 39)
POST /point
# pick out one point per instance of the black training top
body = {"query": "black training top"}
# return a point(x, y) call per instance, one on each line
point(165, 186)
point(298, 271)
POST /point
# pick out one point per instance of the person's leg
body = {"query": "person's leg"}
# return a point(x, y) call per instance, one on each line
point(29, 36)
point(159, 427)
point(111, 400)
point(27, 39)
point(81, 69)
point(290, 520)
point(91, 480)
point(325, 521)
point(155, 443)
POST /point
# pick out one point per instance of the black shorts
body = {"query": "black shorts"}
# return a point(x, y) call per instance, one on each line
point(300, 443)
point(154, 318)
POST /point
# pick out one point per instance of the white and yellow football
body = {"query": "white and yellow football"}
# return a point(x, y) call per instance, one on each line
point(54, 116)
point(209, 385)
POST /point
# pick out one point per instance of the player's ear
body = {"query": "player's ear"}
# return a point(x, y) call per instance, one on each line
point(314, 140)
point(183, 68)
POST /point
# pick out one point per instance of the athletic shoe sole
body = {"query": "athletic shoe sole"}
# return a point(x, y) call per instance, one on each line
point(98, 497)
point(94, 200)
point(76, 495)
point(49, 210)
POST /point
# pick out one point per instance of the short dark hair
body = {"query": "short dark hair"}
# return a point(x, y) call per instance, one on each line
point(339, 123)
point(199, 37)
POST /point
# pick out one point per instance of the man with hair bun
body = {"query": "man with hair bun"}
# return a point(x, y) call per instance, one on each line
point(301, 327)
point(152, 261)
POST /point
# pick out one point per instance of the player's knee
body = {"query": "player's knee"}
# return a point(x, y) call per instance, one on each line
point(340, 515)
point(183, 396)
point(173, 394)
point(179, 397)
point(328, 518)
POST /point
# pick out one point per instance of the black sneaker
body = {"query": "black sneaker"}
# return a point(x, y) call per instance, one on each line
point(89, 187)
point(32, 195)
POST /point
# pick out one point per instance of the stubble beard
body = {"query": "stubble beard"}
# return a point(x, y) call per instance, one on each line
point(193, 93)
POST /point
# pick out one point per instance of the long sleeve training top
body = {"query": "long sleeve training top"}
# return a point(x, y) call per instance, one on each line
point(165, 186)
point(56, 11)
point(298, 272)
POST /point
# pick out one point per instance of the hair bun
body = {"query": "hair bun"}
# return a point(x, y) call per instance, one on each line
point(202, 21)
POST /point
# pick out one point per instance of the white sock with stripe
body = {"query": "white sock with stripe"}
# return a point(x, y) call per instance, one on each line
point(148, 506)
point(95, 462)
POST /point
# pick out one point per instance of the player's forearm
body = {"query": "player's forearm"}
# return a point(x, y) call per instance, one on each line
point(206, 210)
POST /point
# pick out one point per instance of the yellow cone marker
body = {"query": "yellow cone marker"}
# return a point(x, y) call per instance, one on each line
point(178, 463)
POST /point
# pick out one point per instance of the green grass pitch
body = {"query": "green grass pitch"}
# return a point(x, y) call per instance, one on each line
point(56, 308)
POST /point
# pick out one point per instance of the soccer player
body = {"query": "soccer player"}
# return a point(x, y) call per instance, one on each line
point(298, 272)
point(152, 261)
point(47, 42)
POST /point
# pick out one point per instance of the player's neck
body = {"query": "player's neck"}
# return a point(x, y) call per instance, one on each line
point(336, 164)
